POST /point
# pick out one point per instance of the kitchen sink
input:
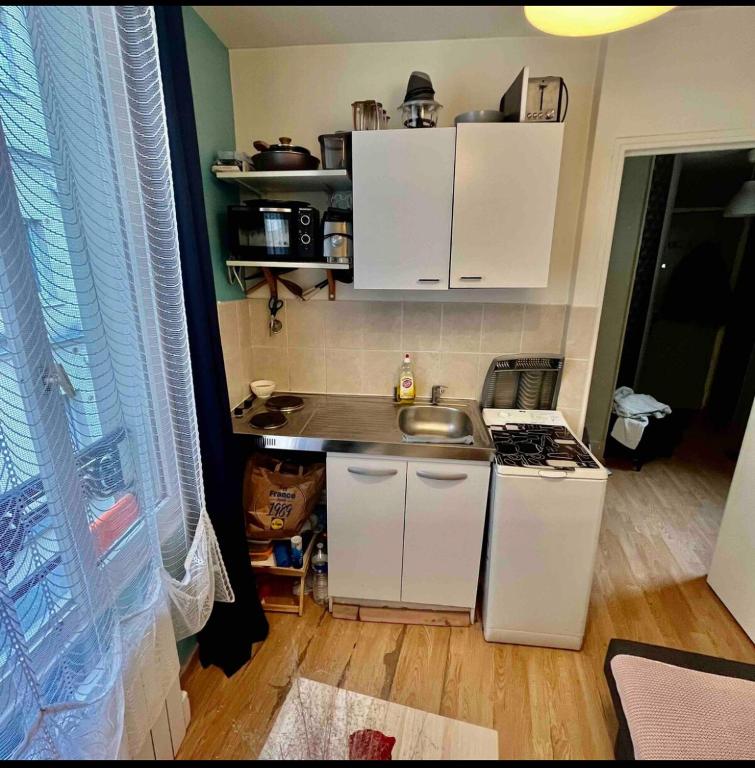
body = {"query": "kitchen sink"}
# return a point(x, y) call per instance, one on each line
point(435, 421)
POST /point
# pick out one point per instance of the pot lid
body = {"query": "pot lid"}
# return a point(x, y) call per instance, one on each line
point(285, 145)
point(419, 87)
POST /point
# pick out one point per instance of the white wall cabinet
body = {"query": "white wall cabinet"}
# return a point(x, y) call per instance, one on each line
point(504, 204)
point(445, 520)
point(496, 182)
point(403, 196)
point(405, 531)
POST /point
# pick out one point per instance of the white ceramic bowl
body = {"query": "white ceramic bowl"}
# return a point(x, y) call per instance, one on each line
point(263, 388)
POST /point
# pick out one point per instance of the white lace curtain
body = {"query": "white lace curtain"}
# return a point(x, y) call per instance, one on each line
point(106, 552)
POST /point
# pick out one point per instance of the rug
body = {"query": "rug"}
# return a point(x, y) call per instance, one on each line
point(322, 722)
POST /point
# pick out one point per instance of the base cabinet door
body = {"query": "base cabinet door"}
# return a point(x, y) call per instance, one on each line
point(445, 518)
point(365, 527)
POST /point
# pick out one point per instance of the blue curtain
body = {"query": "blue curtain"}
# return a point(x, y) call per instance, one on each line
point(227, 638)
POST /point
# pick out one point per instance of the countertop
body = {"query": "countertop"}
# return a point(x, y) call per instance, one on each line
point(361, 424)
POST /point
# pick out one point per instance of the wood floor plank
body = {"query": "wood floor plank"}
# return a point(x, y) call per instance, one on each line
point(420, 673)
point(374, 659)
point(658, 534)
point(469, 693)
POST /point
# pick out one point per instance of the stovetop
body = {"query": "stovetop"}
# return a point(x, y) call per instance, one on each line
point(539, 445)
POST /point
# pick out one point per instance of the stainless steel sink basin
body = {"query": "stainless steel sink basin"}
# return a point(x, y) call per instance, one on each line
point(434, 421)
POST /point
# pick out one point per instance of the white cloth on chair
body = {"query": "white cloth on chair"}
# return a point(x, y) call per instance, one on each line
point(634, 412)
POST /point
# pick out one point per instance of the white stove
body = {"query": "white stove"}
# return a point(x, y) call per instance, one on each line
point(546, 506)
point(531, 441)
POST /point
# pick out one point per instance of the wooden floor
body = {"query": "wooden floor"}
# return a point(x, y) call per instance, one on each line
point(658, 533)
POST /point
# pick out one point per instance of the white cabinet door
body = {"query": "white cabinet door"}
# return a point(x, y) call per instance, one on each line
point(732, 572)
point(365, 527)
point(504, 204)
point(445, 519)
point(403, 196)
point(542, 543)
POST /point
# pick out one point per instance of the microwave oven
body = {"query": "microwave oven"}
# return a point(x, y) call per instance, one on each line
point(274, 230)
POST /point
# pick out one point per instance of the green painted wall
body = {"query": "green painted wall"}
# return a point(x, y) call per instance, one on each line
point(213, 111)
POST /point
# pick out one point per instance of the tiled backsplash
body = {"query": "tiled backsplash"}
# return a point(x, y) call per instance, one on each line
point(356, 347)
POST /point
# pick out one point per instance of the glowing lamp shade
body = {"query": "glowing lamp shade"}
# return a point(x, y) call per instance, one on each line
point(586, 20)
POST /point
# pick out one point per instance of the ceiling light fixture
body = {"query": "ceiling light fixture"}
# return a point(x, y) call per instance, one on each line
point(586, 20)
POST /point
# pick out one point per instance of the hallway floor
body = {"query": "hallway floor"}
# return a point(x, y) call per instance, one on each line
point(658, 534)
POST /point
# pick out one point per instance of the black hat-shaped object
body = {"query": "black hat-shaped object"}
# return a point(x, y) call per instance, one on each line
point(419, 87)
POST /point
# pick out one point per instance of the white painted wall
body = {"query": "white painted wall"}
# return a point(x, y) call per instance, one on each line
point(303, 91)
point(680, 83)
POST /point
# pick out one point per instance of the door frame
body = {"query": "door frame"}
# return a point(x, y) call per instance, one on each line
point(632, 146)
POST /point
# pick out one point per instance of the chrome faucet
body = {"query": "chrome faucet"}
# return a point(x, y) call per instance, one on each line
point(437, 391)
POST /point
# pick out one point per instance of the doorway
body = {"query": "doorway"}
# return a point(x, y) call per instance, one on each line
point(677, 319)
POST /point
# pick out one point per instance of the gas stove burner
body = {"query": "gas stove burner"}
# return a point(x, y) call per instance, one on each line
point(268, 420)
point(539, 445)
point(285, 403)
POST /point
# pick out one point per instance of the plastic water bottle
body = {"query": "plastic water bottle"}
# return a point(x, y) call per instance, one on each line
point(320, 576)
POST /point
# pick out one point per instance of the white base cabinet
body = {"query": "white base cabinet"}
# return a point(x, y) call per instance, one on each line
point(405, 531)
point(365, 527)
point(443, 529)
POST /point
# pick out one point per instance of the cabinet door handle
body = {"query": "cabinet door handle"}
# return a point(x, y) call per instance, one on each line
point(436, 476)
point(428, 279)
point(372, 472)
point(471, 277)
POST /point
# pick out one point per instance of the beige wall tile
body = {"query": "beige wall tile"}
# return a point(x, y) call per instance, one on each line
point(421, 325)
point(461, 327)
point(458, 372)
point(343, 371)
point(244, 320)
point(356, 347)
point(502, 328)
point(580, 331)
point(306, 369)
point(260, 324)
point(306, 324)
point(269, 363)
point(380, 371)
point(572, 384)
point(426, 371)
point(382, 325)
point(543, 329)
point(483, 363)
point(247, 367)
point(235, 379)
point(572, 416)
point(229, 329)
point(344, 325)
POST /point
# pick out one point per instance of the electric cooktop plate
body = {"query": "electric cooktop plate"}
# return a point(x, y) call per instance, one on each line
point(285, 403)
point(268, 420)
point(539, 445)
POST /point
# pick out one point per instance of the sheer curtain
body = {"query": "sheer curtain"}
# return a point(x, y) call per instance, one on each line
point(107, 555)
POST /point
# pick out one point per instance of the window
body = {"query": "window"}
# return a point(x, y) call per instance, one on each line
point(35, 556)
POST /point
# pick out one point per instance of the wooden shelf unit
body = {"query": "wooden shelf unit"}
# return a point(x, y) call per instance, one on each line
point(282, 599)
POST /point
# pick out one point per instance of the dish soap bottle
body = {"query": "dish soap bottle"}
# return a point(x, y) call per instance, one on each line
point(406, 387)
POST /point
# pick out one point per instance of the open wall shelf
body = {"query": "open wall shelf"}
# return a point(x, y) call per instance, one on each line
point(264, 182)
